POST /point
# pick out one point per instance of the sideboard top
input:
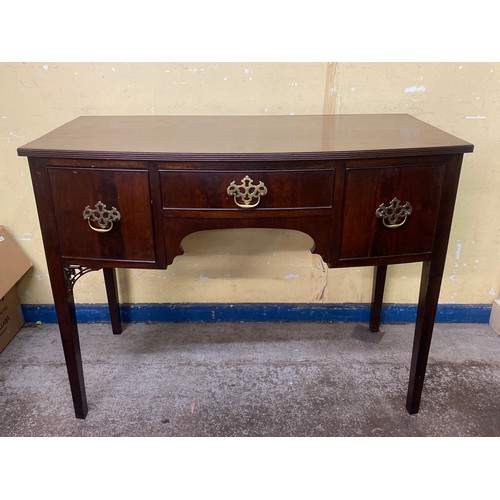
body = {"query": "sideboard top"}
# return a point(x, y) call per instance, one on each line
point(269, 137)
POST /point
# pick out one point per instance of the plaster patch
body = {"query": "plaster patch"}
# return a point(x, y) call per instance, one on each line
point(459, 249)
point(414, 88)
point(291, 276)
point(475, 117)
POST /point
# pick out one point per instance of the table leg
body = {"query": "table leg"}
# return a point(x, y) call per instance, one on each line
point(112, 293)
point(68, 328)
point(377, 296)
point(432, 273)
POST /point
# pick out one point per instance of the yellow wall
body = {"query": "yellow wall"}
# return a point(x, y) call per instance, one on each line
point(276, 266)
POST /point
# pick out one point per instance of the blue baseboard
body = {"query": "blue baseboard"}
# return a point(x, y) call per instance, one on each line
point(391, 313)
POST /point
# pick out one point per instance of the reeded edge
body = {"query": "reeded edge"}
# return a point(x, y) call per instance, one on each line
point(269, 156)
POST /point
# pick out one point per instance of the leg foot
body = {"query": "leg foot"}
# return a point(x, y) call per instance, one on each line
point(426, 313)
point(68, 328)
point(112, 293)
point(377, 296)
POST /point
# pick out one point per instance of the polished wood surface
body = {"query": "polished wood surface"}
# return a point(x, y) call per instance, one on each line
point(244, 138)
point(293, 189)
point(368, 187)
point(168, 177)
point(127, 190)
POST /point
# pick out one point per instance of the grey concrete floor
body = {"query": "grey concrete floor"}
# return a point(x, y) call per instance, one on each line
point(251, 379)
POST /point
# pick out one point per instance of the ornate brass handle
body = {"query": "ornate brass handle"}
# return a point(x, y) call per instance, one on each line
point(395, 214)
point(247, 191)
point(100, 219)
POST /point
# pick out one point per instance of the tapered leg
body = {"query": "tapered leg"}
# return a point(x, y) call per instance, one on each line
point(430, 284)
point(112, 293)
point(377, 297)
point(66, 317)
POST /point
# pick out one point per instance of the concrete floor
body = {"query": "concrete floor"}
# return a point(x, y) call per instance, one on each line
point(251, 379)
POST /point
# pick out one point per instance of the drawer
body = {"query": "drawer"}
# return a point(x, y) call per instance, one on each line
point(266, 189)
point(117, 207)
point(390, 211)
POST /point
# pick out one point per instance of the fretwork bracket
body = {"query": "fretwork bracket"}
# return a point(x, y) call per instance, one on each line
point(74, 272)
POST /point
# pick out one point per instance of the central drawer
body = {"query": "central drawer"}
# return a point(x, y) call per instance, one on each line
point(252, 189)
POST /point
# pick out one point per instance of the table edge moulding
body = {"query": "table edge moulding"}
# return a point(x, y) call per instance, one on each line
point(124, 191)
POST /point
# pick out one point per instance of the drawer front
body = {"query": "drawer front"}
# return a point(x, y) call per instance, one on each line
point(103, 214)
point(308, 189)
point(390, 211)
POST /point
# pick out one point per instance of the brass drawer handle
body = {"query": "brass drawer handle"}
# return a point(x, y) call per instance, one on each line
point(247, 191)
point(395, 214)
point(101, 217)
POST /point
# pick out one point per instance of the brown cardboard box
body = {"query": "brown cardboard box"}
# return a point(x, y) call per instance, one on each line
point(13, 265)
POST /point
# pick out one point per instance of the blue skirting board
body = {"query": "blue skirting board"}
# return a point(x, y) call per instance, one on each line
point(391, 313)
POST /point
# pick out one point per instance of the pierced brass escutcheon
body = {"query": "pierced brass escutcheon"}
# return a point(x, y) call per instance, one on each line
point(247, 192)
point(395, 214)
point(100, 219)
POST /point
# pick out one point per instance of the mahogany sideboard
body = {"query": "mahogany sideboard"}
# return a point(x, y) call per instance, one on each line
point(123, 192)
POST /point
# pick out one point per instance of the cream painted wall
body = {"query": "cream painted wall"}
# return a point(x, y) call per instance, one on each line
point(262, 265)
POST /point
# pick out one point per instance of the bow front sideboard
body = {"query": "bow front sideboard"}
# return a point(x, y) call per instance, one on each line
point(123, 191)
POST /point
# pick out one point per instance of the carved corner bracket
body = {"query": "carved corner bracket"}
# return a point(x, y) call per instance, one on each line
point(74, 272)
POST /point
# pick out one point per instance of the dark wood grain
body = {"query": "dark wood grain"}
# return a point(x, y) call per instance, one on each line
point(178, 227)
point(131, 238)
point(289, 189)
point(243, 138)
point(168, 176)
point(430, 285)
point(112, 293)
point(364, 235)
point(377, 297)
point(63, 294)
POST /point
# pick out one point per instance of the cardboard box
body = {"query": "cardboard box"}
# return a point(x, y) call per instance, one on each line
point(13, 265)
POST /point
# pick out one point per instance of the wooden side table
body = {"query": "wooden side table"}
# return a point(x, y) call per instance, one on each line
point(123, 191)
